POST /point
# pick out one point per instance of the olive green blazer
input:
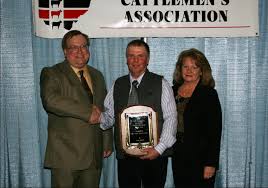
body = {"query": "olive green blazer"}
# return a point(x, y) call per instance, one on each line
point(72, 143)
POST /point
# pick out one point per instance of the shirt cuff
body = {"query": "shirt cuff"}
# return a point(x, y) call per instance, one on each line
point(102, 122)
point(160, 148)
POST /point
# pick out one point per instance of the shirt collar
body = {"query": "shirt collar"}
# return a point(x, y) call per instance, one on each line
point(76, 70)
point(138, 79)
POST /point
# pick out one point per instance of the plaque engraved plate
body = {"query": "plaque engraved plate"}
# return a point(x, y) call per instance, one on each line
point(138, 129)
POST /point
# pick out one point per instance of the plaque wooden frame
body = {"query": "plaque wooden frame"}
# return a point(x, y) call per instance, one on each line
point(138, 129)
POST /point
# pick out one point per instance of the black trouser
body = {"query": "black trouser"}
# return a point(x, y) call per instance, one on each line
point(132, 172)
point(188, 170)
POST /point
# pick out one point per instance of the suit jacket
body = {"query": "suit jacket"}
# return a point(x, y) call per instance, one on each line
point(202, 127)
point(72, 142)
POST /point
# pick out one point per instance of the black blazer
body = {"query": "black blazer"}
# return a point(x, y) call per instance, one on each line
point(202, 127)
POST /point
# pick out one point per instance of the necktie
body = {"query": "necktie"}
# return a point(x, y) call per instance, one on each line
point(85, 86)
point(133, 96)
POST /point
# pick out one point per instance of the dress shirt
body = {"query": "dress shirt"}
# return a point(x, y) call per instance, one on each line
point(86, 75)
point(168, 105)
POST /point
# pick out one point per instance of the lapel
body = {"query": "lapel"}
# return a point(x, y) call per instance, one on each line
point(74, 80)
point(144, 78)
point(194, 98)
point(69, 73)
point(94, 80)
point(124, 91)
point(143, 91)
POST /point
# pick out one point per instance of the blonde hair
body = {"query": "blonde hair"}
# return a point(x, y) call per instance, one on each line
point(201, 61)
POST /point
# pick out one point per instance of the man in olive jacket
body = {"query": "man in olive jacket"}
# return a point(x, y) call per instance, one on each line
point(76, 144)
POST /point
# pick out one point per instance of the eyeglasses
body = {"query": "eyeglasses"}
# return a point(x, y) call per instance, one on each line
point(75, 49)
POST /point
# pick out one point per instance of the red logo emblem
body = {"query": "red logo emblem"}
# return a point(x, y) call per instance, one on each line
point(62, 13)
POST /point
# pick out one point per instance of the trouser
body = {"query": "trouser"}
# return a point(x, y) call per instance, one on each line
point(134, 172)
point(188, 170)
point(75, 178)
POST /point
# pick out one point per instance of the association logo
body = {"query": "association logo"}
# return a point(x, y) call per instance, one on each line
point(62, 13)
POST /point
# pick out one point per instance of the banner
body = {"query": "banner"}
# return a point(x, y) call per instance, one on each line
point(146, 18)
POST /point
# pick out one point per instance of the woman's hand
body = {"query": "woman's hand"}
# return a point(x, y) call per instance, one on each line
point(209, 171)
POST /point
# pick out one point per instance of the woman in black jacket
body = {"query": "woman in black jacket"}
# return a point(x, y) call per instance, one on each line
point(196, 152)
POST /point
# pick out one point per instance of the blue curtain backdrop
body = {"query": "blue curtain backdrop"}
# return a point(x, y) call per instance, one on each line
point(240, 68)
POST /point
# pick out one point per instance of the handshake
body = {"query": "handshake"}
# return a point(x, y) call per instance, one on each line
point(94, 117)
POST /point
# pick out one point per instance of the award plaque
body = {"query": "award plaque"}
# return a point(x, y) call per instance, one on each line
point(138, 128)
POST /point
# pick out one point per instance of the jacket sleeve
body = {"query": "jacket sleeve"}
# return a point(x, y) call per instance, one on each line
point(108, 139)
point(55, 102)
point(108, 133)
point(214, 128)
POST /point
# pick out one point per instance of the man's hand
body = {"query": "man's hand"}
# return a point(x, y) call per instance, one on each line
point(209, 171)
point(150, 154)
point(95, 115)
point(107, 153)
